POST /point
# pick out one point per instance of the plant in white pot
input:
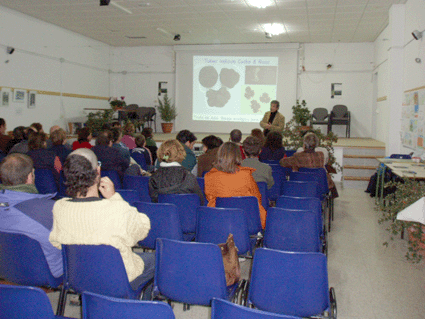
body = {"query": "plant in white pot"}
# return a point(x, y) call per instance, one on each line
point(168, 113)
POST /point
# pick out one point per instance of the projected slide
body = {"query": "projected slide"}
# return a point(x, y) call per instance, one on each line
point(237, 89)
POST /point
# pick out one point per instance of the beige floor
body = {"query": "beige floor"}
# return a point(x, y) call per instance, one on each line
point(371, 281)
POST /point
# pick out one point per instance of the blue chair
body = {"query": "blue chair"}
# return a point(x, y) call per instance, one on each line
point(45, 181)
point(62, 186)
point(24, 302)
point(140, 159)
point(292, 230)
point(289, 283)
point(215, 224)
point(262, 187)
point(271, 162)
point(139, 184)
point(22, 262)
point(303, 177)
point(289, 153)
point(96, 268)
point(129, 195)
point(222, 309)
point(186, 206)
point(165, 222)
point(401, 156)
point(201, 182)
point(98, 306)
point(114, 177)
point(249, 204)
point(300, 189)
point(191, 273)
point(279, 174)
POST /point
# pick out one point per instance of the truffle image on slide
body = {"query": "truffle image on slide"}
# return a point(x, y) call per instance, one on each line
point(265, 98)
point(218, 98)
point(208, 76)
point(229, 77)
point(255, 106)
point(249, 93)
point(266, 75)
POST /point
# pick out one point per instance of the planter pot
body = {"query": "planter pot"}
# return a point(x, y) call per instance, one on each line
point(167, 127)
point(419, 243)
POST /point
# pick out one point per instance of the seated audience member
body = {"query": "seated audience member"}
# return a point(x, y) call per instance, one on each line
point(116, 124)
point(110, 157)
point(210, 145)
point(172, 177)
point(147, 132)
point(273, 149)
point(317, 149)
point(188, 139)
point(37, 127)
point(42, 157)
point(309, 158)
point(256, 132)
point(117, 144)
point(49, 140)
point(18, 136)
point(128, 138)
point(84, 138)
point(27, 212)
point(4, 139)
point(236, 137)
point(262, 172)
point(58, 140)
point(86, 219)
point(22, 146)
point(228, 178)
point(141, 149)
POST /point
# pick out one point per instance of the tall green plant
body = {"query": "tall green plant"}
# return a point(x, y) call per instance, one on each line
point(166, 110)
point(96, 120)
point(301, 113)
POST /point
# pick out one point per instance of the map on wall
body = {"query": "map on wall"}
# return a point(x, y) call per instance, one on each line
point(413, 120)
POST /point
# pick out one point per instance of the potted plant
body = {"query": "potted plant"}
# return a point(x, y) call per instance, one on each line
point(406, 192)
point(96, 120)
point(301, 114)
point(117, 104)
point(168, 113)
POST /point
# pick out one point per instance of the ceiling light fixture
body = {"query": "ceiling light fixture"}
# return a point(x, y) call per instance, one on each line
point(10, 50)
point(260, 3)
point(274, 28)
point(118, 6)
point(268, 35)
point(417, 34)
point(177, 37)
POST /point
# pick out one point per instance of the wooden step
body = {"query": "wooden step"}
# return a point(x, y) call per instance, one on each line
point(363, 156)
point(356, 178)
point(359, 167)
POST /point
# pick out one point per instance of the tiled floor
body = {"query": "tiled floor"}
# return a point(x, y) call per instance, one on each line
point(371, 281)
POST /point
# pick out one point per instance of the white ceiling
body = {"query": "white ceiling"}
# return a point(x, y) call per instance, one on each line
point(213, 21)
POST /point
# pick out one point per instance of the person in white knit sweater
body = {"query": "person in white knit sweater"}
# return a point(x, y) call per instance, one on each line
point(86, 219)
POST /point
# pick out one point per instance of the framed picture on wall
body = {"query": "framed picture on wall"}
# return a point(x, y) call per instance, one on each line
point(5, 97)
point(31, 99)
point(19, 96)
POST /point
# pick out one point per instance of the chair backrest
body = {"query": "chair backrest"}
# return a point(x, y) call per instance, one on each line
point(223, 309)
point(96, 268)
point(262, 187)
point(289, 153)
point(401, 156)
point(62, 186)
point(186, 206)
point(97, 306)
point(45, 181)
point(292, 230)
point(215, 224)
point(139, 184)
point(189, 272)
point(22, 261)
point(322, 178)
point(303, 177)
point(24, 302)
point(114, 177)
point(279, 174)
point(301, 189)
point(340, 111)
point(320, 114)
point(201, 182)
point(249, 204)
point(270, 162)
point(140, 159)
point(165, 222)
point(129, 195)
point(289, 283)
point(131, 107)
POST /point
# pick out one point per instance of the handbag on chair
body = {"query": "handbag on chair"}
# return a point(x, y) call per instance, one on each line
point(232, 267)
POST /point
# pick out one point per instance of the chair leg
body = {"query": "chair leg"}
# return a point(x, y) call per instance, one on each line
point(61, 302)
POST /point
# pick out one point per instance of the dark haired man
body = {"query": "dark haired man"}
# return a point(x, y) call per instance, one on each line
point(86, 219)
point(23, 210)
point(188, 139)
point(4, 139)
point(236, 137)
point(273, 120)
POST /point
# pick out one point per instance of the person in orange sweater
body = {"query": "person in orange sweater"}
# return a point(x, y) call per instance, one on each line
point(228, 178)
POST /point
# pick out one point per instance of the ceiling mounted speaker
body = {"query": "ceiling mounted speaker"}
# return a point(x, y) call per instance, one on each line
point(10, 50)
point(177, 37)
point(104, 2)
point(417, 34)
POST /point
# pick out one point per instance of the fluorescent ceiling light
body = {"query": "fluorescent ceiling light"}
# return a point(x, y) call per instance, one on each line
point(260, 3)
point(274, 28)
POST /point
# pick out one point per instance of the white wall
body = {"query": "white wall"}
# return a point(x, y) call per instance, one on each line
point(352, 66)
point(36, 65)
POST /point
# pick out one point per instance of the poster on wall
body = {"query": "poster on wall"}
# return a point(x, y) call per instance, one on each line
point(413, 120)
point(31, 99)
point(19, 96)
point(5, 97)
point(336, 90)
